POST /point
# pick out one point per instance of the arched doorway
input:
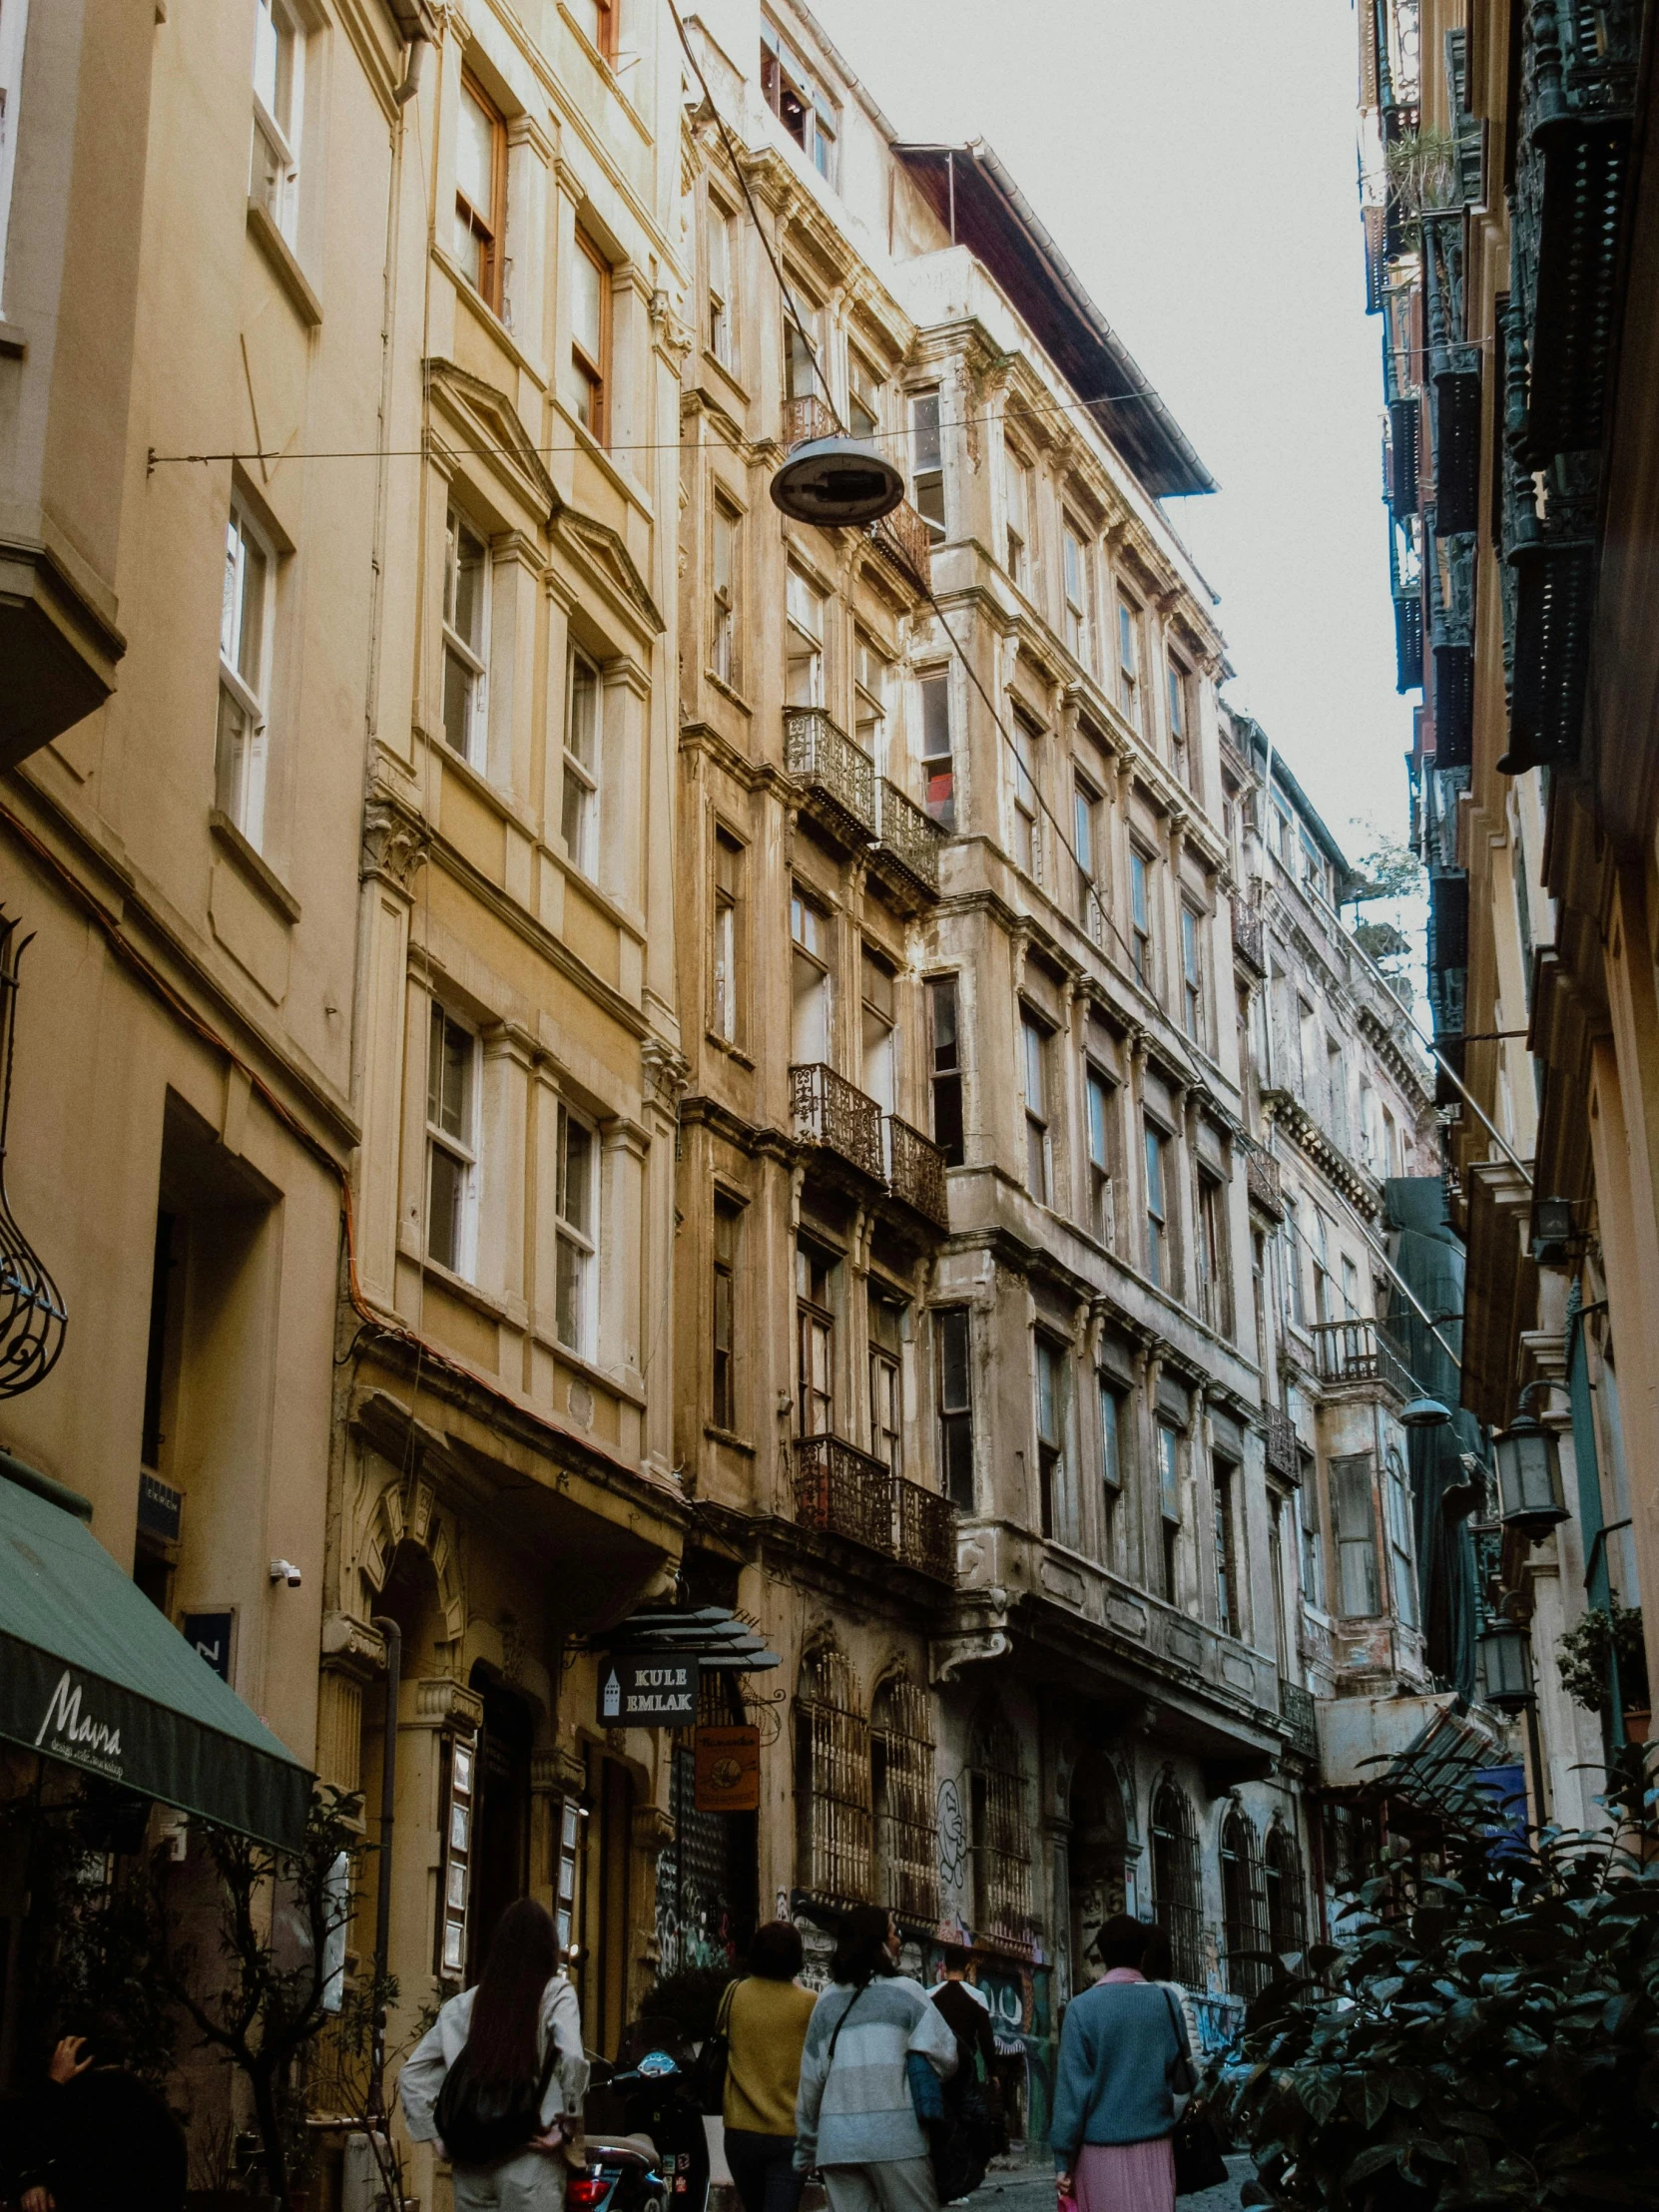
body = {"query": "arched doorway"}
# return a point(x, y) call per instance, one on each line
point(1099, 1835)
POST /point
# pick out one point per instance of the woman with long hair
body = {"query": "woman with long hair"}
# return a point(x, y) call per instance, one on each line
point(855, 2117)
point(764, 2016)
point(514, 2042)
point(1115, 2087)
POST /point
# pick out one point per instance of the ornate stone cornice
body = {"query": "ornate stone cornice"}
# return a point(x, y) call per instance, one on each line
point(396, 839)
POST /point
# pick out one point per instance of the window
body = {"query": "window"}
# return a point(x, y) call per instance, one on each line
point(869, 699)
point(1403, 1541)
point(952, 1340)
point(1060, 1518)
point(938, 767)
point(887, 1382)
point(1313, 877)
point(598, 19)
point(999, 1831)
point(14, 18)
point(466, 630)
point(904, 1798)
point(1281, 1869)
point(802, 351)
point(1350, 1289)
point(729, 858)
point(246, 619)
point(863, 398)
point(1129, 663)
point(590, 337)
point(723, 610)
point(832, 1782)
point(1352, 1511)
point(451, 1157)
point(480, 192)
point(1192, 977)
point(278, 91)
point(1158, 1252)
point(1275, 1580)
point(1079, 626)
point(1295, 1294)
point(1169, 1508)
point(1100, 1102)
point(1228, 1591)
point(804, 643)
point(1211, 1254)
point(879, 987)
point(1016, 487)
point(723, 1374)
point(927, 461)
point(722, 331)
point(1324, 1302)
point(805, 113)
point(809, 975)
point(1312, 1541)
point(1242, 1917)
point(1177, 1894)
point(1028, 844)
point(1335, 1084)
point(1085, 831)
point(1111, 1467)
point(1181, 758)
point(576, 1232)
point(1034, 1086)
point(815, 1273)
point(583, 727)
point(1140, 915)
point(944, 1047)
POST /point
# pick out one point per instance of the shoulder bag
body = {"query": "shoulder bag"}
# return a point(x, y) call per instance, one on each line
point(1199, 2163)
point(709, 2075)
point(479, 2122)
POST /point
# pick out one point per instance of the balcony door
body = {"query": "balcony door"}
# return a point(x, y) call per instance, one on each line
point(816, 1326)
point(809, 978)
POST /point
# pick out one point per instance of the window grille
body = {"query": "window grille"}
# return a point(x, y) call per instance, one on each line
point(902, 1760)
point(1175, 1883)
point(831, 1783)
point(1001, 1834)
point(1281, 1880)
point(1244, 1915)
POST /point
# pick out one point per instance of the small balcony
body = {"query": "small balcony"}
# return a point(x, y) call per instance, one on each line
point(1350, 1351)
point(835, 1115)
point(1249, 934)
point(842, 1491)
point(916, 1171)
point(806, 418)
point(1284, 1455)
point(1296, 1709)
point(1261, 1182)
point(925, 1527)
point(905, 538)
point(906, 855)
point(837, 775)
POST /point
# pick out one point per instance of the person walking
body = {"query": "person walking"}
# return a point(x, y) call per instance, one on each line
point(856, 2116)
point(764, 2019)
point(1114, 2093)
point(514, 2045)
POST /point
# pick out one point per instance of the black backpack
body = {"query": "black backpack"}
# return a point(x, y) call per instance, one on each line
point(481, 2122)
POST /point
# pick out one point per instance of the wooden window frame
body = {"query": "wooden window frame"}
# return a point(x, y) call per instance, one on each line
point(470, 655)
point(596, 374)
point(241, 781)
point(487, 226)
point(459, 1146)
point(723, 1319)
point(582, 1243)
point(722, 592)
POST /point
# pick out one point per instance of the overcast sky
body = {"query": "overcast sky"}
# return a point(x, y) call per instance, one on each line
point(1195, 160)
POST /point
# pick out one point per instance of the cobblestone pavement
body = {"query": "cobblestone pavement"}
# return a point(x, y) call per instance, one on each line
point(1031, 2189)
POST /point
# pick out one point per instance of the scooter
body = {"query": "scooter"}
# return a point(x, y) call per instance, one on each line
point(648, 2150)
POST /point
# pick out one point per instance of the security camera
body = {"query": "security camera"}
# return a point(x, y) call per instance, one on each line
point(284, 1570)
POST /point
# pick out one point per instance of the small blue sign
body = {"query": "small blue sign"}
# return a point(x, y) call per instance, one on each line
point(210, 1634)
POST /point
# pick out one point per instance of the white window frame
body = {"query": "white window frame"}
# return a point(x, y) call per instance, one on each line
point(724, 526)
point(471, 655)
point(14, 26)
point(1142, 954)
point(570, 1236)
point(1077, 581)
point(1017, 502)
point(1086, 816)
point(242, 787)
point(727, 897)
point(1099, 1104)
point(1034, 1077)
point(578, 791)
point(1028, 829)
point(1192, 973)
point(1156, 1147)
point(872, 690)
point(722, 305)
point(1129, 660)
point(277, 190)
point(810, 930)
point(928, 459)
point(803, 612)
point(461, 1145)
point(1402, 1543)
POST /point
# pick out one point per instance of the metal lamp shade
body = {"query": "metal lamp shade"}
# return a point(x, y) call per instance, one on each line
point(1528, 1478)
point(1504, 1655)
point(1425, 1413)
point(833, 483)
point(1551, 1229)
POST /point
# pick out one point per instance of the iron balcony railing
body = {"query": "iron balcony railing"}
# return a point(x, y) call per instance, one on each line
point(1249, 934)
point(1295, 1708)
point(925, 1530)
point(806, 418)
point(1358, 1351)
point(831, 1112)
point(916, 1171)
point(842, 1491)
point(1261, 1182)
point(906, 536)
point(910, 837)
point(1282, 1454)
point(840, 773)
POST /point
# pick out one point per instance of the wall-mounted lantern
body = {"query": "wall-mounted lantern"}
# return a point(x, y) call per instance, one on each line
point(1503, 1655)
point(1528, 1476)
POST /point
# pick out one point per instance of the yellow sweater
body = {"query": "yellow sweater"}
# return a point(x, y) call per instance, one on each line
point(766, 2030)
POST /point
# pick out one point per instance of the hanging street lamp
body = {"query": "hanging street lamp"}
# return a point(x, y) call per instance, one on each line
point(1528, 1476)
point(1424, 1413)
point(1503, 1654)
point(836, 482)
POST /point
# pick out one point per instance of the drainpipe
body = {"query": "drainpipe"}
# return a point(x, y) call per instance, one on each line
point(393, 1635)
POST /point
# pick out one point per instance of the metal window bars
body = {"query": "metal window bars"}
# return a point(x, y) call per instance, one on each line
point(832, 1781)
point(906, 1836)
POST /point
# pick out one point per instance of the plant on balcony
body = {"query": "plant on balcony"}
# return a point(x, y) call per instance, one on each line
point(1422, 174)
point(1581, 1658)
point(1484, 2038)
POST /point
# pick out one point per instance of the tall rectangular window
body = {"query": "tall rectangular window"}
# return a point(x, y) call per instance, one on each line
point(1169, 1509)
point(245, 621)
point(1158, 1254)
point(466, 639)
point(938, 766)
point(1229, 1607)
point(1140, 915)
point(480, 192)
point(723, 609)
point(1354, 1513)
point(724, 997)
point(1060, 1518)
point(1212, 1269)
point(878, 988)
point(1028, 843)
point(14, 20)
point(802, 351)
point(1183, 757)
point(810, 980)
point(1016, 491)
point(1079, 625)
point(804, 641)
point(1311, 1541)
point(1192, 975)
point(952, 1339)
point(590, 337)
point(945, 1055)
point(279, 104)
point(1129, 663)
point(863, 398)
point(1101, 1107)
point(869, 698)
point(576, 1232)
point(598, 19)
point(816, 1349)
point(1111, 1467)
point(723, 1408)
point(583, 738)
point(887, 1382)
point(805, 112)
point(1085, 831)
point(927, 461)
point(1034, 1086)
point(451, 1143)
point(1402, 1542)
point(722, 259)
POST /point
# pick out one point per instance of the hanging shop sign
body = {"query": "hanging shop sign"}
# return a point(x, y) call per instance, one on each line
point(727, 1765)
point(647, 1690)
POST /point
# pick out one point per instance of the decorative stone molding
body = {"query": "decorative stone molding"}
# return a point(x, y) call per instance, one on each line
point(664, 1074)
point(352, 1648)
point(558, 1773)
point(653, 1829)
point(395, 840)
point(442, 1702)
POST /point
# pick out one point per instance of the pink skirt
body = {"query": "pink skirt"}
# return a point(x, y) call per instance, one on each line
point(1126, 2177)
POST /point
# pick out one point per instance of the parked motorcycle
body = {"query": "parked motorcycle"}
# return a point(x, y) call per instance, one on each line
point(648, 2149)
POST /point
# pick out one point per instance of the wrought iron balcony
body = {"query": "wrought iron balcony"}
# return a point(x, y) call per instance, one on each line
point(839, 775)
point(925, 1527)
point(916, 1171)
point(843, 1492)
point(906, 536)
point(830, 1112)
point(1284, 1454)
point(1454, 371)
point(806, 418)
point(1261, 1182)
point(1358, 1351)
point(1249, 934)
point(1550, 594)
point(1297, 1710)
point(908, 845)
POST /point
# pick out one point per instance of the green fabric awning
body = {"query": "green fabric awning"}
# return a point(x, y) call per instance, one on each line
point(93, 1675)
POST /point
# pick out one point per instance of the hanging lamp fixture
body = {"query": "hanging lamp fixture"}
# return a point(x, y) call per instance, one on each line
point(835, 484)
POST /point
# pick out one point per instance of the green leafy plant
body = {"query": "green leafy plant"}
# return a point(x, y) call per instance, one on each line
point(1422, 170)
point(1581, 1657)
point(1483, 2039)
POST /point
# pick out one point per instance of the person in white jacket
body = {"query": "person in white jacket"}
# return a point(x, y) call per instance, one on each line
point(522, 2011)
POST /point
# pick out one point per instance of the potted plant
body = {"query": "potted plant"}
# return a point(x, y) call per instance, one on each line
point(1582, 1655)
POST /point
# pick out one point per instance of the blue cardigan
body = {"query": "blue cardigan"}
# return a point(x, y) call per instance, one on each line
point(1117, 2049)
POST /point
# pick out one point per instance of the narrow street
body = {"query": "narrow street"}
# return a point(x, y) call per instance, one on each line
point(1031, 2189)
